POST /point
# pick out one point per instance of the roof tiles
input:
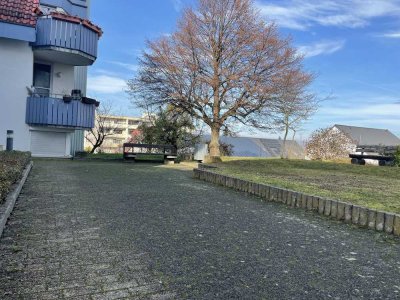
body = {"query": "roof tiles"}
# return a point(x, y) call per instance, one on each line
point(22, 12)
point(369, 136)
point(74, 19)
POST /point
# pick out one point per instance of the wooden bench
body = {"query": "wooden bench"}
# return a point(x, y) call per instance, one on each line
point(148, 152)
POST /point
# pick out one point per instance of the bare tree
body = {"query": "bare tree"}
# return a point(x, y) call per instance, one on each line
point(102, 127)
point(294, 105)
point(328, 143)
point(223, 65)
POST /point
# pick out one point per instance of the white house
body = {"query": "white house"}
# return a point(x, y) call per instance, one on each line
point(45, 48)
point(367, 136)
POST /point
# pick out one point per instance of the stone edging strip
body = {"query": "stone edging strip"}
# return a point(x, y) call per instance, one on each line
point(342, 211)
point(7, 207)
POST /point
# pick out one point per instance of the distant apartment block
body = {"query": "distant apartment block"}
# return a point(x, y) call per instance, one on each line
point(120, 131)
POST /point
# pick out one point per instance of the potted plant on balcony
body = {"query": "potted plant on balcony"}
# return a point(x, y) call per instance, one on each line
point(87, 100)
point(76, 94)
point(67, 98)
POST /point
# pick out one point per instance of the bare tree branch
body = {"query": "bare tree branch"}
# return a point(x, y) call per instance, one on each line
point(103, 128)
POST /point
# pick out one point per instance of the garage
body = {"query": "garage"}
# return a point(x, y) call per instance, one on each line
point(48, 143)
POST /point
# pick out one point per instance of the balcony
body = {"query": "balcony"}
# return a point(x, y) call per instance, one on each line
point(66, 39)
point(49, 111)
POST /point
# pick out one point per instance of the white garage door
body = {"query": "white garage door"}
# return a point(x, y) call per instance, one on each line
point(48, 144)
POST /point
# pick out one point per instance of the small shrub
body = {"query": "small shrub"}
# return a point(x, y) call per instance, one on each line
point(12, 165)
point(224, 148)
point(397, 157)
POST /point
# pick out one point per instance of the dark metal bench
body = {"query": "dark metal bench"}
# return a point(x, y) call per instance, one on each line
point(166, 153)
point(383, 154)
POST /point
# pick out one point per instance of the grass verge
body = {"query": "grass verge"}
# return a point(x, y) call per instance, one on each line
point(370, 186)
point(101, 156)
point(119, 156)
point(12, 165)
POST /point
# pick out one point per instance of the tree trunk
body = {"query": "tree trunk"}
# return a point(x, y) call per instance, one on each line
point(95, 146)
point(284, 152)
point(214, 143)
point(99, 142)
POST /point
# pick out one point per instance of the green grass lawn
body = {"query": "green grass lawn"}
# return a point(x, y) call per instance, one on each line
point(104, 156)
point(370, 186)
point(150, 157)
point(114, 156)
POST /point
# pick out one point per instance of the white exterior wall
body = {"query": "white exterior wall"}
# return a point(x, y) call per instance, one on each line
point(62, 79)
point(351, 147)
point(16, 73)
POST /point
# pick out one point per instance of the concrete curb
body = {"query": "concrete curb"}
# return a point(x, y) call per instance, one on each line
point(7, 207)
point(338, 210)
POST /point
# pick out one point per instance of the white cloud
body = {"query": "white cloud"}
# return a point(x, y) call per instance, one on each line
point(372, 112)
point(130, 67)
point(106, 84)
point(321, 48)
point(391, 35)
point(178, 5)
point(100, 71)
point(358, 114)
point(302, 14)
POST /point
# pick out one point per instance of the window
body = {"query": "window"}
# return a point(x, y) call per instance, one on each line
point(133, 122)
point(119, 121)
point(41, 79)
point(117, 141)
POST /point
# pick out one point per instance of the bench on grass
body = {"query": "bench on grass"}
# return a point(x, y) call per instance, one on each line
point(148, 152)
point(382, 155)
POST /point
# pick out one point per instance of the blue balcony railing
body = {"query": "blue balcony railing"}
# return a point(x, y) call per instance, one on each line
point(48, 111)
point(76, 44)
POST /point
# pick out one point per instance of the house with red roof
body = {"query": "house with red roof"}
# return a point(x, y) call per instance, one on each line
point(46, 47)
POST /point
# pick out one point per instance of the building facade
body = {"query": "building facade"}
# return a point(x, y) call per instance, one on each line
point(45, 49)
point(369, 136)
point(366, 136)
point(118, 130)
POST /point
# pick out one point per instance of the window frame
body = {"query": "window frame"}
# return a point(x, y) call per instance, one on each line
point(49, 89)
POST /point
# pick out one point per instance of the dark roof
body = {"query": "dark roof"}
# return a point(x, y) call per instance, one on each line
point(260, 147)
point(21, 12)
point(369, 136)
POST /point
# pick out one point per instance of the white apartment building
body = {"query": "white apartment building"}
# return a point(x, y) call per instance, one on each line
point(45, 49)
point(119, 129)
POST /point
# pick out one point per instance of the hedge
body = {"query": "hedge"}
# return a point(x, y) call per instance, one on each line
point(12, 165)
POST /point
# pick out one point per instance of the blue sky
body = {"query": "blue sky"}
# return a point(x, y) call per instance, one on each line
point(352, 45)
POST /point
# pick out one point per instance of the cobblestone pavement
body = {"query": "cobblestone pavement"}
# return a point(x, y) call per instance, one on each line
point(90, 230)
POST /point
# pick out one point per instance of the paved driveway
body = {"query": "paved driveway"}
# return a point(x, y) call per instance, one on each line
point(89, 230)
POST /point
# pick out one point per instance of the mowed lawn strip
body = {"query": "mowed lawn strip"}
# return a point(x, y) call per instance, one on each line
point(370, 186)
